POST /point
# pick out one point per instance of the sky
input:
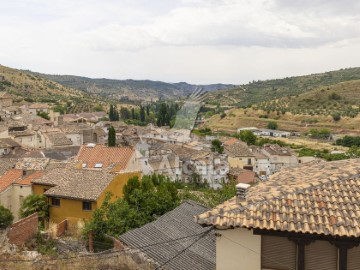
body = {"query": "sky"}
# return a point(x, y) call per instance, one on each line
point(197, 41)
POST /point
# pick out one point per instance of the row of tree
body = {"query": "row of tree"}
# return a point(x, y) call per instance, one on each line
point(160, 113)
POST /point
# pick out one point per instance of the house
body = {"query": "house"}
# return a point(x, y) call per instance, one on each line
point(26, 138)
point(280, 157)
point(36, 108)
point(74, 194)
point(8, 145)
point(98, 156)
point(167, 165)
point(239, 154)
point(262, 163)
point(80, 134)
point(267, 132)
point(15, 186)
point(55, 139)
point(247, 128)
point(242, 176)
point(301, 218)
point(7, 112)
point(212, 168)
point(272, 133)
point(183, 244)
point(5, 100)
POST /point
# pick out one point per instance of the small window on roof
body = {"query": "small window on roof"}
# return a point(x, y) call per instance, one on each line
point(84, 165)
point(98, 165)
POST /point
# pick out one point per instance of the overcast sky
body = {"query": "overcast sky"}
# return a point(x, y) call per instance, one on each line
point(198, 41)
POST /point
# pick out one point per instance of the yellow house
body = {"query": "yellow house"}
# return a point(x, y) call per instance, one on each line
point(239, 155)
point(74, 194)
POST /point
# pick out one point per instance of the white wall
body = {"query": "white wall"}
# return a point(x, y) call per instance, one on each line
point(232, 256)
point(19, 192)
point(77, 139)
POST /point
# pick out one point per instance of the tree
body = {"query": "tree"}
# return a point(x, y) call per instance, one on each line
point(248, 136)
point(35, 204)
point(336, 116)
point(163, 118)
point(44, 115)
point(272, 125)
point(112, 137)
point(147, 110)
point(143, 202)
point(132, 113)
point(111, 113)
point(125, 113)
point(6, 217)
point(216, 146)
point(142, 114)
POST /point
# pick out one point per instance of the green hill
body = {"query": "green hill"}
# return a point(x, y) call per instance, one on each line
point(342, 98)
point(259, 91)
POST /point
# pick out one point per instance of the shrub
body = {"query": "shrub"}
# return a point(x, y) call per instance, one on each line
point(336, 116)
point(272, 125)
point(6, 217)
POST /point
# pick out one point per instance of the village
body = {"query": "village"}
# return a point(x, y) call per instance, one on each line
point(67, 158)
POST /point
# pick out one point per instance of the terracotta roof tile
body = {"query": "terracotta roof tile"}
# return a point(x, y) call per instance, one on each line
point(107, 156)
point(8, 178)
point(318, 198)
point(27, 179)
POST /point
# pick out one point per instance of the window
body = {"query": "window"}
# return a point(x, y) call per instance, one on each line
point(277, 253)
point(21, 198)
point(87, 206)
point(321, 255)
point(98, 165)
point(55, 201)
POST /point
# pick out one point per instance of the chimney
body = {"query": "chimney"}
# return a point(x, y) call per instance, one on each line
point(241, 192)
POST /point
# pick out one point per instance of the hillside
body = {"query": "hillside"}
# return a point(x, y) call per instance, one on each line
point(33, 88)
point(259, 91)
point(342, 98)
point(125, 90)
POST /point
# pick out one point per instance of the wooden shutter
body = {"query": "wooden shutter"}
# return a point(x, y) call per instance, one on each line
point(353, 258)
point(277, 253)
point(320, 255)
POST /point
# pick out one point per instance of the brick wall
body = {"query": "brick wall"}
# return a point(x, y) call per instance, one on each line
point(61, 228)
point(24, 229)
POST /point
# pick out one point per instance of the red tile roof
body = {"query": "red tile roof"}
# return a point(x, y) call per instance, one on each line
point(26, 180)
point(107, 156)
point(231, 141)
point(8, 178)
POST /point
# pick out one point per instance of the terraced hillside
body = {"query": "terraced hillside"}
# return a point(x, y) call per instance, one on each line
point(342, 98)
point(317, 108)
point(260, 91)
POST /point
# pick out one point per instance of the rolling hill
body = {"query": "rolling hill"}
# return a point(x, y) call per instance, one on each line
point(260, 91)
point(129, 90)
point(312, 109)
point(34, 88)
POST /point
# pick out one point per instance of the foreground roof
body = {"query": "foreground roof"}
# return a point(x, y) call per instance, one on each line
point(178, 223)
point(318, 198)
